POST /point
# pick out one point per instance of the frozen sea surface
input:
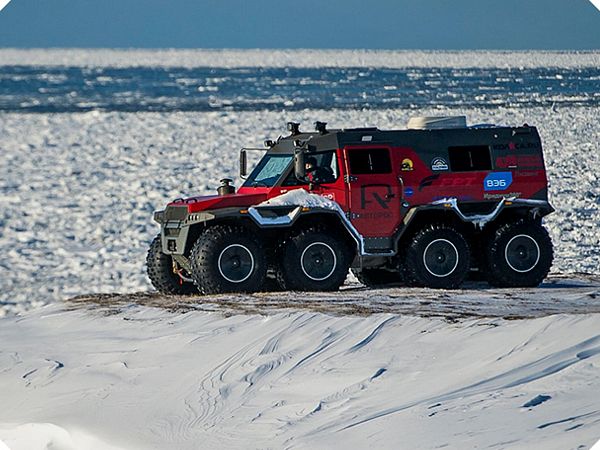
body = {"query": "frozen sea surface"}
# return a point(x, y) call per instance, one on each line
point(77, 190)
point(47, 89)
point(46, 81)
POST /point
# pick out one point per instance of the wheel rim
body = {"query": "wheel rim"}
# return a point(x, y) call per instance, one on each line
point(522, 253)
point(236, 263)
point(440, 258)
point(318, 261)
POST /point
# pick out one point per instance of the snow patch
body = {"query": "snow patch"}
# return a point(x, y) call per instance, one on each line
point(479, 220)
point(44, 436)
point(300, 197)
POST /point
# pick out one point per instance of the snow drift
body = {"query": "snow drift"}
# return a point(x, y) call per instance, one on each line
point(145, 378)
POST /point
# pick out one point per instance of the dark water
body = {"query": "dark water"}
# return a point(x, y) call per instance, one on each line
point(70, 89)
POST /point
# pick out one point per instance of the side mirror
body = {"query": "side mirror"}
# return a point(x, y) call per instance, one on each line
point(299, 166)
point(243, 164)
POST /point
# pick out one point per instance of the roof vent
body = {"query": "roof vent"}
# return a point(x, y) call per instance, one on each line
point(436, 123)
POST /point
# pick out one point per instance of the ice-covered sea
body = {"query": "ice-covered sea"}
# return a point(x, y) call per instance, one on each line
point(77, 189)
point(133, 81)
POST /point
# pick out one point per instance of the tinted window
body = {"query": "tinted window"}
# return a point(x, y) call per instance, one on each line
point(472, 157)
point(369, 161)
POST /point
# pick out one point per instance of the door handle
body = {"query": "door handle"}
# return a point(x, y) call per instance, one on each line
point(401, 187)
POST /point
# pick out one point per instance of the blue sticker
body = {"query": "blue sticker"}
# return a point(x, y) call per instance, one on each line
point(408, 192)
point(497, 181)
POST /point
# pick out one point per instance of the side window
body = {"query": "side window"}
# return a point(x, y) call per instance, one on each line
point(470, 158)
point(321, 167)
point(369, 161)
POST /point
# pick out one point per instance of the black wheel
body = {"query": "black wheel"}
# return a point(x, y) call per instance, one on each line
point(518, 254)
point(313, 260)
point(438, 257)
point(227, 259)
point(160, 271)
point(377, 277)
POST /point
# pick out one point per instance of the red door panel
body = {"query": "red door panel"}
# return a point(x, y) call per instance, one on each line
point(375, 193)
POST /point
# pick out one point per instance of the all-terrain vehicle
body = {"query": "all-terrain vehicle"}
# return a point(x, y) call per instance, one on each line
point(425, 206)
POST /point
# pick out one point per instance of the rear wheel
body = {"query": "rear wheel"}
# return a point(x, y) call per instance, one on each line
point(518, 254)
point(438, 257)
point(162, 276)
point(313, 260)
point(227, 259)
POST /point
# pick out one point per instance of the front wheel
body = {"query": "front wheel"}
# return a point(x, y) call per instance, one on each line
point(438, 257)
point(227, 259)
point(162, 276)
point(313, 260)
point(518, 254)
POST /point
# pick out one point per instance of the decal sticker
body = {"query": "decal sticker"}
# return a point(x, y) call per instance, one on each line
point(408, 192)
point(449, 180)
point(439, 164)
point(372, 194)
point(497, 181)
point(329, 195)
point(501, 196)
point(517, 146)
point(427, 181)
point(521, 161)
point(407, 165)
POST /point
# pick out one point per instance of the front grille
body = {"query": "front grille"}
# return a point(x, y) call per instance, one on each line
point(172, 231)
point(176, 213)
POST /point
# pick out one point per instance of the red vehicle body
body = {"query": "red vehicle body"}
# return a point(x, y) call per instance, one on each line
point(423, 207)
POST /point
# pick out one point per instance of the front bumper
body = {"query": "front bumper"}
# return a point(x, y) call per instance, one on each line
point(175, 223)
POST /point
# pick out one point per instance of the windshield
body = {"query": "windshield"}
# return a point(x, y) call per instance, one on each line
point(268, 170)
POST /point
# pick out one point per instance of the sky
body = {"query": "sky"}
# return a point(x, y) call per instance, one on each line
point(371, 24)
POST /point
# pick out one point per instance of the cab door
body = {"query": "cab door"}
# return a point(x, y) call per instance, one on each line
point(375, 193)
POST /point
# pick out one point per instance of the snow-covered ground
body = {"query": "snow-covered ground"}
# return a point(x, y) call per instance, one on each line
point(77, 191)
point(146, 378)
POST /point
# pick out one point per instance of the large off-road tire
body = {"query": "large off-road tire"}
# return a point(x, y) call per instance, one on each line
point(437, 256)
point(518, 254)
point(377, 277)
point(160, 271)
point(314, 260)
point(227, 258)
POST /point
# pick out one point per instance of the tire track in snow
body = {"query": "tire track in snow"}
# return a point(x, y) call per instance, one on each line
point(527, 373)
point(236, 380)
point(275, 360)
